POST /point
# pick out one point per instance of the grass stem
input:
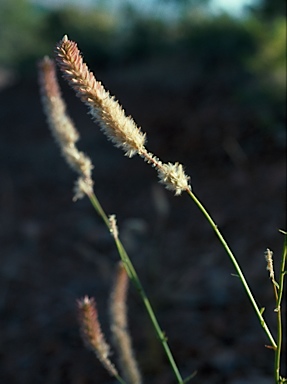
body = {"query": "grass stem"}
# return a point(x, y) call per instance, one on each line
point(137, 283)
point(279, 296)
point(237, 267)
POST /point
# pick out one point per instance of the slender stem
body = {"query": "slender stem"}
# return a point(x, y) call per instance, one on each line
point(236, 265)
point(139, 287)
point(96, 204)
point(282, 271)
point(279, 313)
point(136, 281)
point(120, 379)
point(279, 345)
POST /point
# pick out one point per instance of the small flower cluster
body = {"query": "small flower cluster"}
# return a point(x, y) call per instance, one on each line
point(113, 226)
point(269, 259)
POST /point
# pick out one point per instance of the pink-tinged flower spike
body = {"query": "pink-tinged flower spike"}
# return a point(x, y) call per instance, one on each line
point(62, 127)
point(92, 333)
point(119, 327)
point(118, 127)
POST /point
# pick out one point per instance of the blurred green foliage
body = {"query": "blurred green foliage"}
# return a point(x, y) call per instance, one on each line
point(270, 59)
point(242, 58)
point(28, 31)
point(20, 33)
point(268, 69)
point(95, 31)
point(218, 41)
point(269, 10)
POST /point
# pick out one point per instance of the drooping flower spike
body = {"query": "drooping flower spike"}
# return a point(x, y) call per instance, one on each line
point(118, 127)
point(62, 127)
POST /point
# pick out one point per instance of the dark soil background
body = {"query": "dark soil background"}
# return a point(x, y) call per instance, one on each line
point(54, 251)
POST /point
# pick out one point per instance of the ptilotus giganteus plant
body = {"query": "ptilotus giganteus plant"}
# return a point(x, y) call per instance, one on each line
point(125, 134)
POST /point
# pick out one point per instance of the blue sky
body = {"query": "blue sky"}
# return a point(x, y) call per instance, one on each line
point(233, 6)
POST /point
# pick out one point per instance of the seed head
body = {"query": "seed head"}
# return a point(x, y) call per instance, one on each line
point(118, 127)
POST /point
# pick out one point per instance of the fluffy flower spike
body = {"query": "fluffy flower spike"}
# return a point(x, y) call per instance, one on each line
point(118, 127)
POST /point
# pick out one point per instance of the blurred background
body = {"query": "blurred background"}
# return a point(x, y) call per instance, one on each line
point(206, 80)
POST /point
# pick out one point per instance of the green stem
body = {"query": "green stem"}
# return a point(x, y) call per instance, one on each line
point(279, 344)
point(120, 380)
point(136, 281)
point(279, 313)
point(236, 265)
point(96, 204)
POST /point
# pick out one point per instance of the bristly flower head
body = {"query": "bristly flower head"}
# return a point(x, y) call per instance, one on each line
point(174, 178)
point(119, 128)
point(171, 175)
